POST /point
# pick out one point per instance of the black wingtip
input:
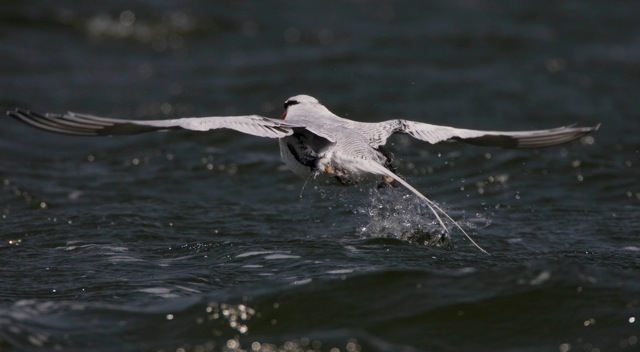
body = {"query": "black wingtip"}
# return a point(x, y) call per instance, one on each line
point(18, 111)
point(14, 113)
point(586, 129)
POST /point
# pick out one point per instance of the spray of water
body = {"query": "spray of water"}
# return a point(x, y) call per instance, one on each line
point(392, 213)
point(395, 213)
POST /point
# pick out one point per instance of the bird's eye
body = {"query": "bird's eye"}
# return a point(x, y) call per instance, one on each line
point(290, 102)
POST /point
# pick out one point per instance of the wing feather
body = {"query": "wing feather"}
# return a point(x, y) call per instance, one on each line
point(90, 125)
point(516, 139)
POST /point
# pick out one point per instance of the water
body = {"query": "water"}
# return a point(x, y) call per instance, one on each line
point(186, 241)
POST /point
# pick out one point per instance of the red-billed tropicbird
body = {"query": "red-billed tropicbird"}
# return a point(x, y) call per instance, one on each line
point(315, 141)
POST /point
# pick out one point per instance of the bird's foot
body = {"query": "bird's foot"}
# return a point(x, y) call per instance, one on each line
point(339, 175)
point(388, 181)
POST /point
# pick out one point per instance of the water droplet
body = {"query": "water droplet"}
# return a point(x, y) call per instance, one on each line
point(127, 18)
point(565, 347)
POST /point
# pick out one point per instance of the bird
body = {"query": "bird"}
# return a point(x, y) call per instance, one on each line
point(315, 142)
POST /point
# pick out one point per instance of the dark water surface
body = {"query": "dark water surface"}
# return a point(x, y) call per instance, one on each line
point(201, 241)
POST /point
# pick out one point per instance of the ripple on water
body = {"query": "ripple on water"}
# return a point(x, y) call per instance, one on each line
point(281, 256)
point(269, 255)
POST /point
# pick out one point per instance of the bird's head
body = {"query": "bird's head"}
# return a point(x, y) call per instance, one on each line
point(301, 103)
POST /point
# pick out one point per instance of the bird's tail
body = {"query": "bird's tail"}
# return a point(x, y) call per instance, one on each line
point(376, 168)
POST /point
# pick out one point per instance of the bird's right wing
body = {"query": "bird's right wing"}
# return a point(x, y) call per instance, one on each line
point(506, 139)
point(89, 125)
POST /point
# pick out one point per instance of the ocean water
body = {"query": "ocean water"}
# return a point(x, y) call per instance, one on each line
point(205, 242)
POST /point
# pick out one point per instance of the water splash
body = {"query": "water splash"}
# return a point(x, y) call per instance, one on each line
point(392, 213)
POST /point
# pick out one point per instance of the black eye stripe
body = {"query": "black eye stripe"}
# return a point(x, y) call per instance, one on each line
point(290, 102)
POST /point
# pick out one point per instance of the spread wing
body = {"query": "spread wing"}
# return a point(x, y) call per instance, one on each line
point(89, 125)
point(379, 132)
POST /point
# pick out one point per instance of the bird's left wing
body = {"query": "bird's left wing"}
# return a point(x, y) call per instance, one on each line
point(89, 125)
point(379, 132)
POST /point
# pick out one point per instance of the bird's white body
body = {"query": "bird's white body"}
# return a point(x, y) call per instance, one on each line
point(314, 141)
point(343, 150)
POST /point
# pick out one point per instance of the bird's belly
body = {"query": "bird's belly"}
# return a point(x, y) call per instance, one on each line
point(324, 169)
point(346, 163)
